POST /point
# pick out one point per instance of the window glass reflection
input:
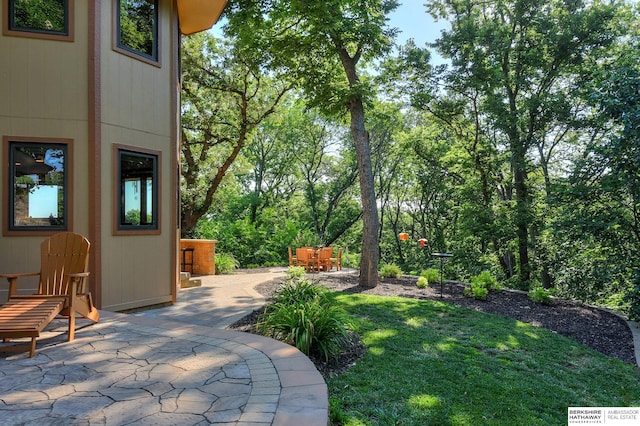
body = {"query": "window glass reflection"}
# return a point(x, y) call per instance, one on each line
point(48, 16)
point(38, 185)
point(138, 192)
point(137, 27)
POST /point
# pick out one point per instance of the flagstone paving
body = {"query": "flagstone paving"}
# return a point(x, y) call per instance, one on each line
point(146, 368)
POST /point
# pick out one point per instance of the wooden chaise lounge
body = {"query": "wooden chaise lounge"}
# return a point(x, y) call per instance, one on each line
point(63, 273)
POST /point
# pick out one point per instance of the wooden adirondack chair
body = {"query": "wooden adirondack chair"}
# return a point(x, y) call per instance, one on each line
point(62, 291)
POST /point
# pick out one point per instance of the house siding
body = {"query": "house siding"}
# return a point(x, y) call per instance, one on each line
point(97, 97)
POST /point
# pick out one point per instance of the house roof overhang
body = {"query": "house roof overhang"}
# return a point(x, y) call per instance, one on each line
point(198, 15)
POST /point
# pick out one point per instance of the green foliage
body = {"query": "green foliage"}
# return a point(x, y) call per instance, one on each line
point(351, 260)
point(250, 243)
point(485, 279)
point(633, 298)
point(423, 282)
point(294, 272)
point(226, 263)
point(306, 239)
point(535, 180)
point(133, 217)
point(333, 54)
point(477, 291)
point(390, 271)
point(217, 77)
point(540, 294)
point(300, 291)
point(303, 316)
point(481, 284)
point(432, 275)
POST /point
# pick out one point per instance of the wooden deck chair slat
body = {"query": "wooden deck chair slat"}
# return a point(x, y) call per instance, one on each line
point(61, 291)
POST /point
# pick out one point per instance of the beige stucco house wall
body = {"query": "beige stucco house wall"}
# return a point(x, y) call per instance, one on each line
point(97, 98)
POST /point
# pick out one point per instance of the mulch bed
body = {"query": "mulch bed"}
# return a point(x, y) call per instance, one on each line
point(597, 328)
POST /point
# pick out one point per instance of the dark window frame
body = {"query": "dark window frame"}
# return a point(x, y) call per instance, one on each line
point(9, 28)
point(119, 215)
point(9, 227)
point(118, 46)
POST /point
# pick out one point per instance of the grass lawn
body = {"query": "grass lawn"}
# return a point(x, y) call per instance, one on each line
point(431, 363)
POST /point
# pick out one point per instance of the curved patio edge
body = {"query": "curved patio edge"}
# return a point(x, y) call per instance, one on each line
point(130, 369)
point(303, 395)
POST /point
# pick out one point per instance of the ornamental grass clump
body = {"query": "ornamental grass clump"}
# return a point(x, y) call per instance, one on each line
point(390, 271)
point(226, 263)
point(303, 316)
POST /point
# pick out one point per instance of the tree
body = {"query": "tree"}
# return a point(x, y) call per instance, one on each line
point(271, 159)
point(328, 173)
point(523, 58)
point(322, 43)
point(226, 94)
point(601, 211)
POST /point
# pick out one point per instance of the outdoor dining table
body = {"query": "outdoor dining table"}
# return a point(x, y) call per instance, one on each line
point(314, 259)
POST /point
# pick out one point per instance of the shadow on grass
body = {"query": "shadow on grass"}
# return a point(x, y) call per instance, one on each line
point(433, 363)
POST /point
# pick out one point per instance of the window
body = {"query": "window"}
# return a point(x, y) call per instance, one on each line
point(38, 186)
point(137, 174)
point(137, 28)
point(37, 18)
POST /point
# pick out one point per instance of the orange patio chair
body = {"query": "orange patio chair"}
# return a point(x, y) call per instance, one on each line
point(337, 261)
point(302, 258)
point(63, 272)
point(293, 260)
point(325, 254)
point(308, 258)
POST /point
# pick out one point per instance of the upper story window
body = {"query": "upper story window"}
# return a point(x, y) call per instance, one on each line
point(38, 185)
point(138, 179)
point(137, 28)
point(49, 19)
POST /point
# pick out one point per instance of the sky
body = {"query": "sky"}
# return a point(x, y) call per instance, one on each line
point(413, 21)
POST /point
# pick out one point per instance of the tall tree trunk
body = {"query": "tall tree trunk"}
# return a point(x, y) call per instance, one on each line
point(371, 224)
point(523, 214)
point(370, 249)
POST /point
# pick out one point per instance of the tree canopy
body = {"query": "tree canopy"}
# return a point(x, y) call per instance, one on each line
point(519, 155)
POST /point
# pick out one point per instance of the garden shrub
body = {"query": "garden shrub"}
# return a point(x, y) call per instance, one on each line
point(422, 282)
point(487, 280)
point(540, 294)
point(481, 284)
point(477, 291)
point(351, 260)
point(299, 291)
point(294, 272)
point(391, 271)
point(432, 275)
point(250, 243)
point(304, 317)
point(225, 263)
